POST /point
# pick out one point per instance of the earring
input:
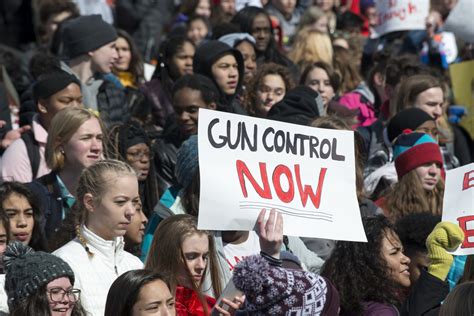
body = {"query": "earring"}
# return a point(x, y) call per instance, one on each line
point(61, 151)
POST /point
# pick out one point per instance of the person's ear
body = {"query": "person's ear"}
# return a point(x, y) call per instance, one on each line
point(42, 106)
point(212, 106)
point(88, 201)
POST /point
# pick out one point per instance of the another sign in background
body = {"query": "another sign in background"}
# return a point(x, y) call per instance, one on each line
point(458, 205)
point(462, 79)
point(305, 173)
point(401, 15)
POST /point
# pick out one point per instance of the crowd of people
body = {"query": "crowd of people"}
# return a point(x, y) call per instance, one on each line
point(100, 181)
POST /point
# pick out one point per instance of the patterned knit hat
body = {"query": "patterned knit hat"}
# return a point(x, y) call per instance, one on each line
point(271, 290)
point(412, 150)
point(187, 161)
point(27, 270)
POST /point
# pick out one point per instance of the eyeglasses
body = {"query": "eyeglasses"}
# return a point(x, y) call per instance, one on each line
point(139, 155)
point(57, 294)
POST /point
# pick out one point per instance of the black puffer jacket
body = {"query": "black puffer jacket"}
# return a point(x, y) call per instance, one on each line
point(165, 149)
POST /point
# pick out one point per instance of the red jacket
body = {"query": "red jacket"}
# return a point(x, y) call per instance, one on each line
point(188, 303)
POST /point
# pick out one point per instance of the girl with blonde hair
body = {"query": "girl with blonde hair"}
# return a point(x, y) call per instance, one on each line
point(107, 199)
point(75, 141)
point(311, 46)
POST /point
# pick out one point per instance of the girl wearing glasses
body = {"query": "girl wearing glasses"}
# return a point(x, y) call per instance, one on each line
point(130, 143)
point(38, 283)
point(107, 199)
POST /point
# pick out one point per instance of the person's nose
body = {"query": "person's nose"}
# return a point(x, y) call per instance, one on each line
point(114, 54)
point(251, 65)
point(96, 144)
point(189, 61)
point(201, 264)
point(145, 157)
point(234, 72)
point(433, 169)
point(405, 260)
point(144, 218)
point(270, 96)
point(21, 221)
point(184, 116)
point(130, 210)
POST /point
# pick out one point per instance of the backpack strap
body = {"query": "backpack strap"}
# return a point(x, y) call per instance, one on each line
point(32, 147)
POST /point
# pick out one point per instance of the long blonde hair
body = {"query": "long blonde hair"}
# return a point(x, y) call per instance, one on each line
point(311, 46)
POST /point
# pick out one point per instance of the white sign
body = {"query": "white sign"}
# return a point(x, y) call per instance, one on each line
point(458, 205)
point(305, 173)
point(460, 21)
point(401, 15)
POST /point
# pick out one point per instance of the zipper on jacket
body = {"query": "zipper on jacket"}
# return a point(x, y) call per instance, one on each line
point(115, 261)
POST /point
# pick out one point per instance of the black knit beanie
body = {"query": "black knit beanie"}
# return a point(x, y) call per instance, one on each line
point(131, 134)
point(86, 34)
point(410, 118)
point(51, 83)
point(27, 271)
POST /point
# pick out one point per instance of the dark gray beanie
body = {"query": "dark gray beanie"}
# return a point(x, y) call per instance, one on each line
point(27, 270)
point(187, 162)
point(86, 34)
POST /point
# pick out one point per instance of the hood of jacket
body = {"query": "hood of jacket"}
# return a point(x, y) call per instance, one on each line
point(206, 55)
point(299, 106)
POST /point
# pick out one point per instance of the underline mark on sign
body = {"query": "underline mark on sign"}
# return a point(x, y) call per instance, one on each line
point(249, 205)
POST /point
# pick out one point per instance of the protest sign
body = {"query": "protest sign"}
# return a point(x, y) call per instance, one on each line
point(401, 15)
point(462, 79)
point(305, 173)
point(458, 205)
point(460, 21)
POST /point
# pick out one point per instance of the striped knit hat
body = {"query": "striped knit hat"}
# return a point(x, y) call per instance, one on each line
point(412, 150)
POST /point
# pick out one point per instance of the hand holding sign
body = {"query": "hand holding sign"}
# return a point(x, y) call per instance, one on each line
point(445, 237)
point(270, 233)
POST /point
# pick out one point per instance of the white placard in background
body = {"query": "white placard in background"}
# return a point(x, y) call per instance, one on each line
point(401, 15)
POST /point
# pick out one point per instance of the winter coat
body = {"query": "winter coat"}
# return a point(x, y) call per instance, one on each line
point(159, 100)
point(95, 274)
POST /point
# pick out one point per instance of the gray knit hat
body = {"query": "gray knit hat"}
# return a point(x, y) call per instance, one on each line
point(234, 39)
point(86, 34)
point(187, 161)
point(27, 270)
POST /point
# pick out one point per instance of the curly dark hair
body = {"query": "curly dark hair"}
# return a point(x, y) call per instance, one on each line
point(359, 271)
point(413, 229)
point(251, 99)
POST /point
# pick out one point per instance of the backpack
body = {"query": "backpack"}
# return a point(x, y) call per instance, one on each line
point(32, 147)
